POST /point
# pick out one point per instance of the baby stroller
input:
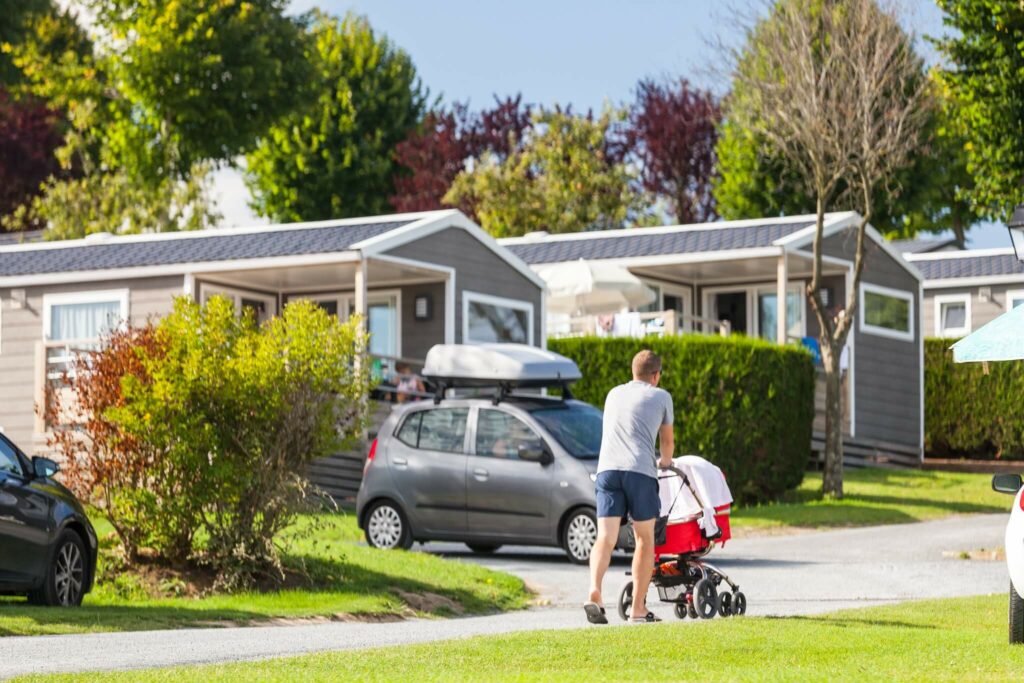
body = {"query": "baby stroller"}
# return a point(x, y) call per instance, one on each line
point(695, 504)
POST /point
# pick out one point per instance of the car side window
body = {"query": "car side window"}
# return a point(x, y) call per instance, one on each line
point(501, 435)
point(9, 463)
point(409, 433)
point(438, 429)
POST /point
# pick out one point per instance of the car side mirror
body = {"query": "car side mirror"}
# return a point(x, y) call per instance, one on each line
point(538, 454)
point(1007, 483)
point(44, 468)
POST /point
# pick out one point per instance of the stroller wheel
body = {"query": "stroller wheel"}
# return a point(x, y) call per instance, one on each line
point(705, 599)
point(681, 610)
point(739, 603)
point(725, 605)
point(626, 601)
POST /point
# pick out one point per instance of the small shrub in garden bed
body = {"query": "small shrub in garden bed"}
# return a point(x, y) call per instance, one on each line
point(745, 404)
point(968, 413)
point(191, 434)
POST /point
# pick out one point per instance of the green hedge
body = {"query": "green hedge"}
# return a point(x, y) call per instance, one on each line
point(967, 413)
point(745, 404)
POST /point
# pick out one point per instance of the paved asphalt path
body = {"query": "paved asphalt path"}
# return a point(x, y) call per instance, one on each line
point(782, 575)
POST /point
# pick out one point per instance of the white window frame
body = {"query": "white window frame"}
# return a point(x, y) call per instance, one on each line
point(683, 292)
point(1012, 294)
point(210, 289)
point(346, 302)
point(867, 328)
point(752, 291)
point(84, 297)
point(941, 299)
point(469, 297)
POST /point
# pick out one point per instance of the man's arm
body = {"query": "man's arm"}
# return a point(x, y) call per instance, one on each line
point(666, 444)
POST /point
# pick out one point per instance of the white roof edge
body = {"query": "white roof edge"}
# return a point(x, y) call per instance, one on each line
point(218, 232)
point(974, 281)
point(691, 227)
point(435, 222)
point(961, 253)
point(847, 219)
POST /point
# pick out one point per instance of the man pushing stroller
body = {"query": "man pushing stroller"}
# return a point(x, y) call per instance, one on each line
point(636, 415)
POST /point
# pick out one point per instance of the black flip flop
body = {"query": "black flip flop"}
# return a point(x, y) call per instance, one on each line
point(595, 613)
point(649, 618)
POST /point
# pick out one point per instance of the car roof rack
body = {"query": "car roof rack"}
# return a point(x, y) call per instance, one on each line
point(505, 367)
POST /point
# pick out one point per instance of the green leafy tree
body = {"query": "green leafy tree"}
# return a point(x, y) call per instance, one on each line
point(985, 79)
point(756, 179)
point(335, 157)
point(561, 179)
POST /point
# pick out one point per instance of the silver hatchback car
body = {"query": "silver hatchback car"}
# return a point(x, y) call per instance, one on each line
point(519, 471)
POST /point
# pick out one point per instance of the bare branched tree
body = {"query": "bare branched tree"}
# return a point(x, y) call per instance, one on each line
point(835, 87)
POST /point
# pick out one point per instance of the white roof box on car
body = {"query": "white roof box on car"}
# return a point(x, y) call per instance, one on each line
point(498, 365)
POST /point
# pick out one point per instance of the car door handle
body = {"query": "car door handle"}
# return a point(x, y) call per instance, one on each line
point(399, 462)
point(480, 474)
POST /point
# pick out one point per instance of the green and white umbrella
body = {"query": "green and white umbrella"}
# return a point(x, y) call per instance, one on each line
point(1001, 339)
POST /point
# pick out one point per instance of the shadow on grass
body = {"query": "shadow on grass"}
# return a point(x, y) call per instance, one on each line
point(326, 576)
point(847, 623)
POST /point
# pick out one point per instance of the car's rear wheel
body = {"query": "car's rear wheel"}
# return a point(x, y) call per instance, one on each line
point(64, 585)
point(483, 548)
point(387, 527)
point(578, 535)
point(1016, 617)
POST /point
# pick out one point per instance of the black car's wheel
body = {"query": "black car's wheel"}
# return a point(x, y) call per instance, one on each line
point(1016, 617)
point(578, 535)
point(387, 528)
point(483, 548)
point(64, 585)
point(705, 599)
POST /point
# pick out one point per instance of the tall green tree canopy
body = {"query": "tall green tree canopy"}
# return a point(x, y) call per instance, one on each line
point(985, 78)
point(563, 178)
point(335, 157)
point(756, 180)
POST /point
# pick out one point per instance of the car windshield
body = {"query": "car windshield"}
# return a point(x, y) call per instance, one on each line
point(576, 426)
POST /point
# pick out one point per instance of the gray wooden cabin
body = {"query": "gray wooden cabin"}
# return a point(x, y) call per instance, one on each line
point(749, 277)
point(418, 279)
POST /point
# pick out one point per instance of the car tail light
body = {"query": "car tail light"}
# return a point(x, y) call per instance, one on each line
point(370, 456)
point(1020, 501)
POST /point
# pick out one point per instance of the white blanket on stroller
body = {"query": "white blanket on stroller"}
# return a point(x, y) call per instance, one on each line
point(711, 488)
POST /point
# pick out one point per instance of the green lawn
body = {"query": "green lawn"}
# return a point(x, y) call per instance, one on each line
point(961, 639)
point(352, 579)
point(876, 496)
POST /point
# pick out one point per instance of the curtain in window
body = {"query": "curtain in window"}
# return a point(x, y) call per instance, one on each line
point(83, 321)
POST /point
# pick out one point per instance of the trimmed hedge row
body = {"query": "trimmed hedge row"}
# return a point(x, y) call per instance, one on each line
point(969, 414)
point(745, 404)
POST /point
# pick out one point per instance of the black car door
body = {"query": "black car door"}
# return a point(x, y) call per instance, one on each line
point(24, 532)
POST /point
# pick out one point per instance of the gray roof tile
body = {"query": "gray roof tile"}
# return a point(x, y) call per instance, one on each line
point(969, 266)
point(923, 245)
point(191, 249)
point(654, 242)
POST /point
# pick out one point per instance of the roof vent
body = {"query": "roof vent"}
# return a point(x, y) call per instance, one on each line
point(536, 235)
point(98, 237)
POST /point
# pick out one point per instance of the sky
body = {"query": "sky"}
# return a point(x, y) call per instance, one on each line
point(578, 52)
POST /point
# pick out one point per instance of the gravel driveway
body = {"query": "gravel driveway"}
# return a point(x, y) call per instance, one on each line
point(782, 575)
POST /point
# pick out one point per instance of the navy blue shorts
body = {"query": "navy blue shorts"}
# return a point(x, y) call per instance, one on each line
point(621, 492)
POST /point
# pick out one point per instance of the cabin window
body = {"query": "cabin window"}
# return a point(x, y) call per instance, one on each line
point(952, 315)
point(886, 312)
point(490, 319)
point(83, 316)
point(1014, 298)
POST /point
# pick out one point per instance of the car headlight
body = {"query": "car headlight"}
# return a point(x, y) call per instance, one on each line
point(593, 477)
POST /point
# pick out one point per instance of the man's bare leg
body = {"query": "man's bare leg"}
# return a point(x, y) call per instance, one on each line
point(643, 565)
point(601, 554)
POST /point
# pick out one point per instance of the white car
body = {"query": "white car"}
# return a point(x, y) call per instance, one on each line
point(1011, 483)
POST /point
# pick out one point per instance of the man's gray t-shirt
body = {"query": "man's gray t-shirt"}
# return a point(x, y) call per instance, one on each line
point(633, 414)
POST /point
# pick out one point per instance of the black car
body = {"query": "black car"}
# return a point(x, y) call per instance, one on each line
point(47, 545)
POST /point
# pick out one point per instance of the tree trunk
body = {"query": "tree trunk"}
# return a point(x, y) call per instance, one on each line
point(832, 478)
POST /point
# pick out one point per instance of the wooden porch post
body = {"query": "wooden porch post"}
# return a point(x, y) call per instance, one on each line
point(782, 279)
point(360, 293)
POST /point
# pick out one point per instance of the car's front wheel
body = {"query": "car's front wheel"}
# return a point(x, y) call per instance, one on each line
point(64, 584)
point(1016, 617)
point(578, 535)
point(387, 527)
